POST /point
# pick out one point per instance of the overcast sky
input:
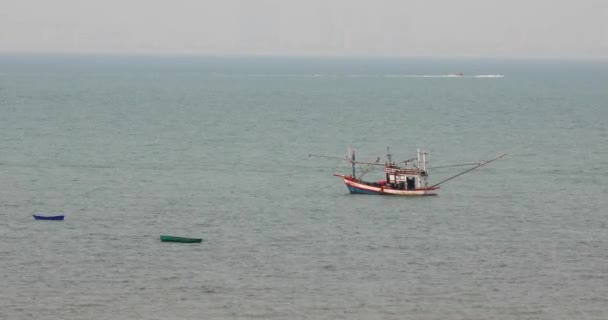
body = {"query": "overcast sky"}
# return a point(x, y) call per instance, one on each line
point(444, 28)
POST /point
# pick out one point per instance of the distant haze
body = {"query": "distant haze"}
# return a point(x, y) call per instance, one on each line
point(437, 28)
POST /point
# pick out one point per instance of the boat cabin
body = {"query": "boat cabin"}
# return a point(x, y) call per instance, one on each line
point(404, 178)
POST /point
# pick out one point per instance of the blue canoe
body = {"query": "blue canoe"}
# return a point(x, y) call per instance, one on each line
point(59, 218)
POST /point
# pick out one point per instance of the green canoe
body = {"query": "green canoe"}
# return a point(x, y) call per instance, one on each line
point(179, 239)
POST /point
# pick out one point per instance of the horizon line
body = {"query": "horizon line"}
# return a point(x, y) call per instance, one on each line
point(288, 55)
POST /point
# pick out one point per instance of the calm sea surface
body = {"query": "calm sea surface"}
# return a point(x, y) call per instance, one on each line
point(129, 148)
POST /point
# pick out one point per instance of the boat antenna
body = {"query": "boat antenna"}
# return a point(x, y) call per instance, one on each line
point(466, 171)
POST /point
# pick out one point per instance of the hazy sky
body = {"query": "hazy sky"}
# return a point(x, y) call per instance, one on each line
point(446, 28)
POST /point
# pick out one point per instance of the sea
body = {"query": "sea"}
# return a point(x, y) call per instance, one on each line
point(129, 148)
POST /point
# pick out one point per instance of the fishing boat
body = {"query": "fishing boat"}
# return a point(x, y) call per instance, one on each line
point(56, 218)
point(165, 238)
point(405, 178)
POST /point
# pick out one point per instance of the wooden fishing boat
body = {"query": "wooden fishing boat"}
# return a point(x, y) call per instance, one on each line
point(405, 178)
point(56, 218)
point(165, 238)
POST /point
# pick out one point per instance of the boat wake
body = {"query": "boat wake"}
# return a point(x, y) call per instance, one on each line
point(422, 76)
point(457, 75)
point(442, 76)
point(489, 76)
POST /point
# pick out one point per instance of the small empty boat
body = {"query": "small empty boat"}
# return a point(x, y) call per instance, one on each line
point(57, 218)
point(179, 239)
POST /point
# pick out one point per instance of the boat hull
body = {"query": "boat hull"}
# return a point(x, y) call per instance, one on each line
point(54, 218)
point(359, 187)
point(179, 239)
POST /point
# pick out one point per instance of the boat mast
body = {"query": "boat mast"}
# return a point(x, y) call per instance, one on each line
point(421, 155)
point(352, 161)
point(388, 156)
point(423, 161)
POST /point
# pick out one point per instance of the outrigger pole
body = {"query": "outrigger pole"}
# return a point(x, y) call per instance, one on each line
point(351, 158)
point(347, 159)
point(327, 157)
point(469, 170)
point(457, 165)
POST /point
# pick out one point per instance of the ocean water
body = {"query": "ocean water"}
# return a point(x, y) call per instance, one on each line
point(129, 148)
